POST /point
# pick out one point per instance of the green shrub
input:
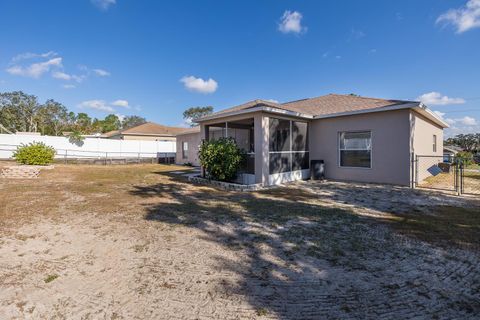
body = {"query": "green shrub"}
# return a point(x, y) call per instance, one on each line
point(35, 153)
point(221, 158)
point(465, 157)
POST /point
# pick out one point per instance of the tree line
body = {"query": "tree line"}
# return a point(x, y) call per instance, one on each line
point(23, 112)
point(468, 142)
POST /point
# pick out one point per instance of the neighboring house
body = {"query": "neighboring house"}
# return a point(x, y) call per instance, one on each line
point(359, 139)
point(188, 142)
point(449, 152)
point(146, 131)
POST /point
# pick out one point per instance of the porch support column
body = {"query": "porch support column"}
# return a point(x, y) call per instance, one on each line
point(261, 139)
point(204, 135)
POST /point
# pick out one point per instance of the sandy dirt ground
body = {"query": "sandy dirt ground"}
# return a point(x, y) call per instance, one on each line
point(138, 242)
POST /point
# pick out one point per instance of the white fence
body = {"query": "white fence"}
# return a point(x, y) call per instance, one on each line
point(91, 147)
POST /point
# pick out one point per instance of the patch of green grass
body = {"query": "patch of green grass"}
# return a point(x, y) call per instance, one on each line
point(262, 312)
point(445, 225)
point(50, 278)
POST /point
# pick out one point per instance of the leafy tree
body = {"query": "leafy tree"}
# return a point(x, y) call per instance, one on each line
point(132, 121)
point(111, 122)
point(22, 112)
point(468, 142)
point(196, 112)
point(221, 158)
point(52, 118)
point(18, 111)
point(83, 123)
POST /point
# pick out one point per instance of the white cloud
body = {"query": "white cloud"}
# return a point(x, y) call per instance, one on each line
point(199, 85)
point(450, 121)
point(436, 98)
point(30, 55)
point(439, 113)
point(291, 22)
point(61, 75)
point(468, 121)
point(101, 72)
point(103, 4)
point(65, 76)
point(35, 70)
point(69, 86)
point(121, 103)
point(48, 62)
point(100, 105)
point(464, 18)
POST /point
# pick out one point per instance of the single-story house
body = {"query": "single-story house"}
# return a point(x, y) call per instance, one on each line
point(146, 131)
point(359, 139)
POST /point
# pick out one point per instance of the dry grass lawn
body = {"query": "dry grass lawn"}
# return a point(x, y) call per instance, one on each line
point(137, 241)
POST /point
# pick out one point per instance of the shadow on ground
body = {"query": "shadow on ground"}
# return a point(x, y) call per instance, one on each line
point(300, 257)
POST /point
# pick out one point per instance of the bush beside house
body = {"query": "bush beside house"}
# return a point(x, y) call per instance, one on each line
point(221, 158)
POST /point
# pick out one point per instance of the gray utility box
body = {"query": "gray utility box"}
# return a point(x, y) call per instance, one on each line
point(317, 170)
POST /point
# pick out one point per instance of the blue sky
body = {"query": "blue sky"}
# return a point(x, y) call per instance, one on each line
point(157, 58)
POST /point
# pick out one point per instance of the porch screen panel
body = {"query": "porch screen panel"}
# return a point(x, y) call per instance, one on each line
point(242, 137)
point(279, 146)
point(279, 135)
point(288, 146)
point(299, 136)
point(300, 155)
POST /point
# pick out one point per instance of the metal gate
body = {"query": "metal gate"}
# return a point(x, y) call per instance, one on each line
point(446, 173)
point(469, 178)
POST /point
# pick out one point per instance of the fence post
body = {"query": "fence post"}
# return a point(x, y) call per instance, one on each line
point(456, 177)
point(461, 178)
point(106, 157)
point(66, 156)
point(415, 183)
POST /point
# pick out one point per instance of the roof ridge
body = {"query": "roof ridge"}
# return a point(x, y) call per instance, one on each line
point(363, 97)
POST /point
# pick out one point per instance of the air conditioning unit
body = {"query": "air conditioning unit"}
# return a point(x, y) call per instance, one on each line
point(317, 170)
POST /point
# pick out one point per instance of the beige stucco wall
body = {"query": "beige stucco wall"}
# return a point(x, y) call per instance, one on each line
point(422, 144)
point(390, 146)
point(193, 140)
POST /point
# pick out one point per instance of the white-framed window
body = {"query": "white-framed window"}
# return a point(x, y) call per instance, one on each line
point(355, 149)
point(434, 143)
point(184, 149)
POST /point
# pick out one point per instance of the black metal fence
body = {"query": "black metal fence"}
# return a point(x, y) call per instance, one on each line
point(447, 173)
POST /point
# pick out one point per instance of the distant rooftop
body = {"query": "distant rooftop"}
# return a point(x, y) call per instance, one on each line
point(148, 128)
